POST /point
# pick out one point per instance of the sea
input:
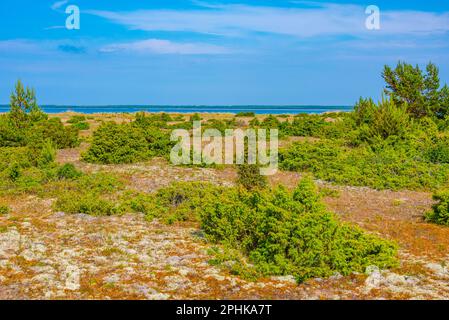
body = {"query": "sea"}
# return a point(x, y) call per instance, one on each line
point(191, 109)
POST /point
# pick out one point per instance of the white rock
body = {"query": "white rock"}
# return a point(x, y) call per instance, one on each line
point(289, 279)
point(9, 243)
point(113, 278)
point(374, 279)
point(72, 278)
point(438, 269)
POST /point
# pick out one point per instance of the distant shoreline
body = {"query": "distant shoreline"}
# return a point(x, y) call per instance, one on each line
point(287, 109)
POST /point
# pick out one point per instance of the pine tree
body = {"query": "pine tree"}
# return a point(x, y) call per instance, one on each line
point(24, 108)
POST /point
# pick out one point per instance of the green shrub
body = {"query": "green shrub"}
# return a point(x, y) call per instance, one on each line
point(183, 201)
point(283, 233)
point(419, 91)
point(62, 137)
point(68, 171)
point(364, 111)
point(10, 136)
point(158, 142)
point(81, 126)
point(87, 203)
point(154, 120)
point(14, 171)
point(47, 154)
point(195, 117)
point(23, 168)
point(250, 178)
point(117, 143)
point(270, 122)
point(307, 126)
point(94, 194)
point(245, 114)
point(439, 151)
point(386, 165)
point(440, 211)
point(24, 109)
point(220, 125)
point(4, 210)
point(98, 183)
point(254, 122)
point(270, 232)
point(141, 203)
point(27, 125)
point(388, 120)
point(128, 143)
point(77, 119)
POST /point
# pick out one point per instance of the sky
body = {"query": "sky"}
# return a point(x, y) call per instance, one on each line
point(240, 52)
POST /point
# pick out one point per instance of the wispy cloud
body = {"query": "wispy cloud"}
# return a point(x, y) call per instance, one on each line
point(67, 48)
point(157, 46)
point(41, 47)
point(58, 4)
point(316, 20)
point(19, 46)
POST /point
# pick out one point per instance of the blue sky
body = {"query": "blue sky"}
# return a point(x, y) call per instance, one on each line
point(181, 52)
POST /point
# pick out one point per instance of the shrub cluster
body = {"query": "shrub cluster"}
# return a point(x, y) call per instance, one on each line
point(90, 194)
point(117, 143)
point(245, 114)
point(130, 142)
point(250, 178)
point(440, 211)
point(275, 232)
point(4, 210)
point(382, 166)
point(399, 143)
point(27, 125)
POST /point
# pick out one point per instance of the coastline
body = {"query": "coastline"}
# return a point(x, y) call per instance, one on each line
point(188, 110)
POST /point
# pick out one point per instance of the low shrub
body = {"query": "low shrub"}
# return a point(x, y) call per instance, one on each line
point(87, 203)
point(195, 117)
point(158, 142)
point(250, 178)
point(52, 129)
point(68, 171)
point(47, 154)
point(76, 119)
point(438, 152)
point(4, 210)
point(283, 233)
point(382, 166)
point(245, 114)
point(95, 194)
point(440, 211)
point(36, 133)
point(82, 126)
point(183, 201)
point(117, 143)
point(270, 232)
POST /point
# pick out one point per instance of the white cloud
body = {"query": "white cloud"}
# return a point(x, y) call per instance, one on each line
point(320, 19)
point(58, 4)
point(157, 46)
point(19, 46)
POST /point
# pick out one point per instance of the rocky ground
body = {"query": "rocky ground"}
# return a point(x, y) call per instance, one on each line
point(52, 255)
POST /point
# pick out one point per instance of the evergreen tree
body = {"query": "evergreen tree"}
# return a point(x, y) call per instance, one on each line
point(24, 108)
point(419, 91)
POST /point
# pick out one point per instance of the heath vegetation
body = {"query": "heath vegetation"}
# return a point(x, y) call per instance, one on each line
point(254, 228)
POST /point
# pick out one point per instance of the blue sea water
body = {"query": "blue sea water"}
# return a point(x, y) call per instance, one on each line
point(191, 109)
